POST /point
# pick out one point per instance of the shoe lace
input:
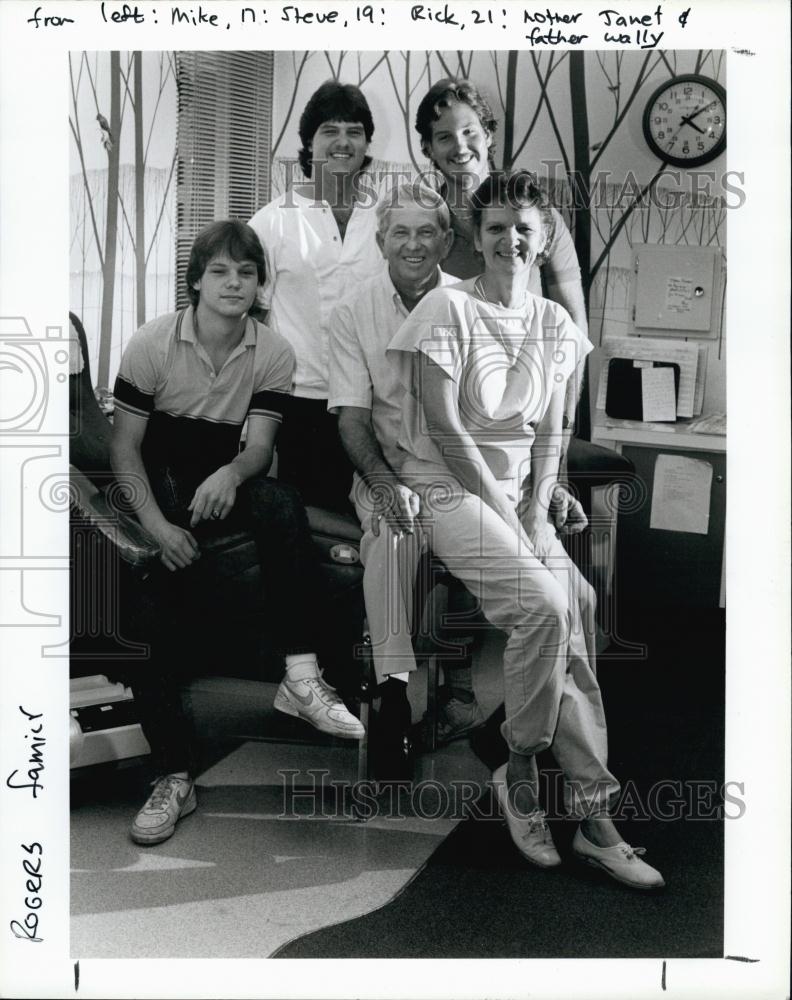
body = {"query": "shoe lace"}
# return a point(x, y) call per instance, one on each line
point(325, 691)
point(536, 823)
point(631, 852)
point(163, 789)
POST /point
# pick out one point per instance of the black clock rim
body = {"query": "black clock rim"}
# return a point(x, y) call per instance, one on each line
point(680, 161)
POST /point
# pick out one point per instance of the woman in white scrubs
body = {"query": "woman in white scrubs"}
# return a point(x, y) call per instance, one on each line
point(487, 363)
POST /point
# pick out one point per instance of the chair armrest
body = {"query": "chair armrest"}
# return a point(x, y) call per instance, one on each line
point(90, 505)
point(591, 465)
point(336, 536)
point(342, 527)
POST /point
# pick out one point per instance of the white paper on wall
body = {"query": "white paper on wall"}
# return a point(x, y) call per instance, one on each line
point(681, 494)
point(679, 294)
point(683, 353)
point(658, 399)
point(701, 380)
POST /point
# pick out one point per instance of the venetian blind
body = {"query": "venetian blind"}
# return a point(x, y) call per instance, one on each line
point(223, 143)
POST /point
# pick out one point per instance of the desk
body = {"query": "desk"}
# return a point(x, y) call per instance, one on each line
point(685, 567)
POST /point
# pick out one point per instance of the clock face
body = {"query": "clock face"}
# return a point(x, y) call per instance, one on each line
point(685, 121)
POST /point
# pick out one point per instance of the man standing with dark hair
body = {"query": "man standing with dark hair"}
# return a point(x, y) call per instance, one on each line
point(187, 383)
point(319, 242)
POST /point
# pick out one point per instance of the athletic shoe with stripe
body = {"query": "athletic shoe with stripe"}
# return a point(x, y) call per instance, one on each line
point(173, 798)
point(313, 700)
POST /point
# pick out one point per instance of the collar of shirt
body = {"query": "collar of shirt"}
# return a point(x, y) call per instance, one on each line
point(187, 334)
point(398, 304)
point(357, 204)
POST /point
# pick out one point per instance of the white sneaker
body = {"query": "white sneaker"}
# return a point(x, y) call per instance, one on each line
point(313, 700)
point(172, 799)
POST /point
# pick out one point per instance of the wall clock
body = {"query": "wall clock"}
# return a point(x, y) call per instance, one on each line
point(684, 122)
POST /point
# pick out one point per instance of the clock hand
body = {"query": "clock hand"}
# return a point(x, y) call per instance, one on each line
point(682, 123)
point(687, 119)
point(672, 139)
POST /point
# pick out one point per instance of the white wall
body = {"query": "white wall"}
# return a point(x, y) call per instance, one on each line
point(88, 188)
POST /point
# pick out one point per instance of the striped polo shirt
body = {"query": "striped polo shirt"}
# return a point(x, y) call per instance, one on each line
point(195, 415)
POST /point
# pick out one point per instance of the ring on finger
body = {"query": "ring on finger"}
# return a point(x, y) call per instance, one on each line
point(215, 514)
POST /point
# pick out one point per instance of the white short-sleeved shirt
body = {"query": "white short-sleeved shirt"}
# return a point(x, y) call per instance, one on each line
point(504, 362)
point(360, 375)
point(310, 269)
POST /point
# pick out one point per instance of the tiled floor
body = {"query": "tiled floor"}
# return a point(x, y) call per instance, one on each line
point(257, 865)
point(245, 873)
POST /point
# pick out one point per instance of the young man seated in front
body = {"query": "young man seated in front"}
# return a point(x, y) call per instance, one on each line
point(187, 383)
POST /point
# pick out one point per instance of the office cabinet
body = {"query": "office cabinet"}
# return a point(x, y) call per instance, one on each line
point(651, 565)
point(661, 566)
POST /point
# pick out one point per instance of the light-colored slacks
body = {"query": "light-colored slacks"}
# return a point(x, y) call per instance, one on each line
point(551, 694)
point(390, 564)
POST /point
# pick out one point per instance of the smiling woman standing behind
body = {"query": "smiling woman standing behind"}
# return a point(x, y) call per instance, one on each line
point(486, 364)
point(319, 240)
point(457, 130)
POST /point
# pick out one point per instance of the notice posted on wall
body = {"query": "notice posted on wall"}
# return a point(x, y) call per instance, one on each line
point(658, 398)
point(679, 294)
point(681, 494)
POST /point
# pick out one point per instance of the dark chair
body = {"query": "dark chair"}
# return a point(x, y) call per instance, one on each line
point(114, 562)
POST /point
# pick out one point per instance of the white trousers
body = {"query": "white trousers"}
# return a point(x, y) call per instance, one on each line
point(546, 609)
point(390, 564)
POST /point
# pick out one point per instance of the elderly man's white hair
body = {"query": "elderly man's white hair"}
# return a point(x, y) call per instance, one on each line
point(412, 193)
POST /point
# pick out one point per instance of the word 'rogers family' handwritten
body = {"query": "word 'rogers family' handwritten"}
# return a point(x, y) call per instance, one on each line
point(629, 25)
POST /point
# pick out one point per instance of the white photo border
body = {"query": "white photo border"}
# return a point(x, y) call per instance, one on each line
point(34, 244)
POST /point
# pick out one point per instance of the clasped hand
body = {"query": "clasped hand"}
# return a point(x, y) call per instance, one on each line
point(566, 512)
point(566, 517)
point(394, 501)
point(178, 548)
point(540, 533)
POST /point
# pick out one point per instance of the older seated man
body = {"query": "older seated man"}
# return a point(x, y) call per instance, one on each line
point(413, 235)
